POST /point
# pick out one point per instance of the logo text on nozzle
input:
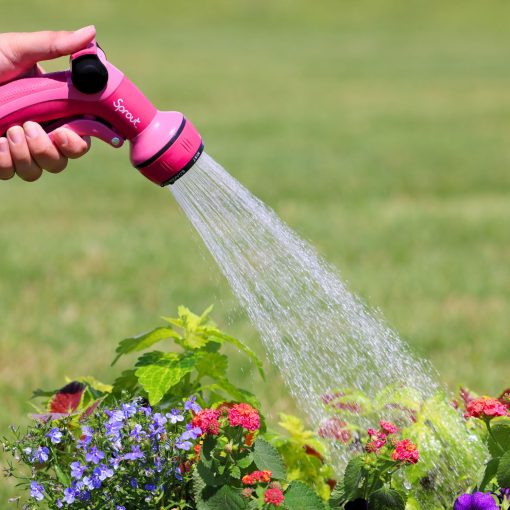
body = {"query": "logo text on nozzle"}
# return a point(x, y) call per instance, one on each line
point(119, 107)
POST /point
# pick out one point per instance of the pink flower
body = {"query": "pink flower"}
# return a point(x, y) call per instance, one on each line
point(485, 408)
point(335, 428)
point(388, 427)
point(274, 497)
point(406, 451)
point(207, 420)
point(244, 415)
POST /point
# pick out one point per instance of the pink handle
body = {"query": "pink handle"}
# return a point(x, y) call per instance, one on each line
point(85, 127)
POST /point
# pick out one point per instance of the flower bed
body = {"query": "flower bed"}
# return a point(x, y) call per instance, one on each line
point(174, 433)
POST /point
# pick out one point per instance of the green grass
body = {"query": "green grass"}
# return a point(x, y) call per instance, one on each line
point(379, 130)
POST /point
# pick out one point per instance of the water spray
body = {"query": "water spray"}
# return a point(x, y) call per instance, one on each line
point(94, 98)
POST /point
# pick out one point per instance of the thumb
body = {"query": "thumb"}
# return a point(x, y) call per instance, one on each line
point(26, 49)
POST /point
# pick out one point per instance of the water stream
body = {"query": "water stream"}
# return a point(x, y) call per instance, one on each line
point(321, 337)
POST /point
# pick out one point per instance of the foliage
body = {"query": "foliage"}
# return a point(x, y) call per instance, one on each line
point(368, 477)
point(305, 454)
point(494, 415)
point(138, 443)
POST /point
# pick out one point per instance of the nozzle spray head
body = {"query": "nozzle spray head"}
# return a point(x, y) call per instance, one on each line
point(94, 98)
point(167, 148)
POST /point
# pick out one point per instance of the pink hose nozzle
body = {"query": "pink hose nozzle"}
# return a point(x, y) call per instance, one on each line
point(94, 98)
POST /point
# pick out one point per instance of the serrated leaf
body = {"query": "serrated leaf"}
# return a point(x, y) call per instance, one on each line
point(142, 342)
point(227, 498)
point(299, 496)
point(159, 371)
point(233, 391)
point(337, 498)
point(490, 472)
point(210, 475)
point(235, 472)
point(352, 478)
point(500, 428)
point(503, 473)
point(386, 499)
point(245, 462)
point(212, 364)
point(266, 456)
point(219, 336)
point(127, 381)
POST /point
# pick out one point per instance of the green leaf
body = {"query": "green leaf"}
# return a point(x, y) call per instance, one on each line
point(159, 371)
point(386, 499)
point(93, 383)
point(245, 462)
point(212, 364)
point(139, 343)
point(352, 477)
point(490, 472)
point(127, 381)
point(235, 472)
point(236, 393)
point(227, 498)
point(299, 496)
point(503, 473)
point(337, 498)
point(266, 456)
point(219, 336)
point(210, 475)
point(500, 428)
point(62, 477)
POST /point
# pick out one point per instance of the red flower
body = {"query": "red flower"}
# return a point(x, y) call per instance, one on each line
point(273, 497)
point(388, 427)
point(377, 441)
point(406, 451)
point(207, 420)
point(244, 415)
point(485, 408)
point(334, 428)
point(257, 477)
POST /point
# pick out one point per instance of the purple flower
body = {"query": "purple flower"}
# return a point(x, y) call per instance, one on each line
point(191, 405)
point(476, 501)
point(102, 472)
point(129, 409)
point(191, 432)
point(137, 433)
point(94, 455)
point(146, 410)
point(183, 445)
point(174, 416)
point(133, 482)
point(36, 491)
point(134, 454)
point(55, 435)
point(150, 487)
point(69, 496)
point(41, 454)
point(77, 470)
point(59, 503)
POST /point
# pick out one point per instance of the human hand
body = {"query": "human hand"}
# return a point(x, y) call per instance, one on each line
point(27, 149)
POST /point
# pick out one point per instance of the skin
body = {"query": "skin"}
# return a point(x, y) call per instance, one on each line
point(28, 150)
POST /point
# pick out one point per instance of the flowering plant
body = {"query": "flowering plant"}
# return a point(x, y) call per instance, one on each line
point(143, 443)
point(127, 456)
point(493, 490)
point(367, 481)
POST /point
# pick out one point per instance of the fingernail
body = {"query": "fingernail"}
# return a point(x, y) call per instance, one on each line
point(60, 137)
point(4, 145)
point(83, 30)
point(32, 130)
point(15, 134)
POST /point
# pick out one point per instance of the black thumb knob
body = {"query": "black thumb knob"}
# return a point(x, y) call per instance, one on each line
point(88, 74)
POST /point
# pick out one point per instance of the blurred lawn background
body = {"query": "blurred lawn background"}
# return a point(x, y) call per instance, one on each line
point(379, 130)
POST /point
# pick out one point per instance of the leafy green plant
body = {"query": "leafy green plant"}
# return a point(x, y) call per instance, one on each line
point(167, 376)
point(305, 454)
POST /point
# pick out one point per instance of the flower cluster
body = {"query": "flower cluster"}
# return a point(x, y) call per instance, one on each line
point(273, 494)
point(130, 446)
point(404, 451)
point(485, 408)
